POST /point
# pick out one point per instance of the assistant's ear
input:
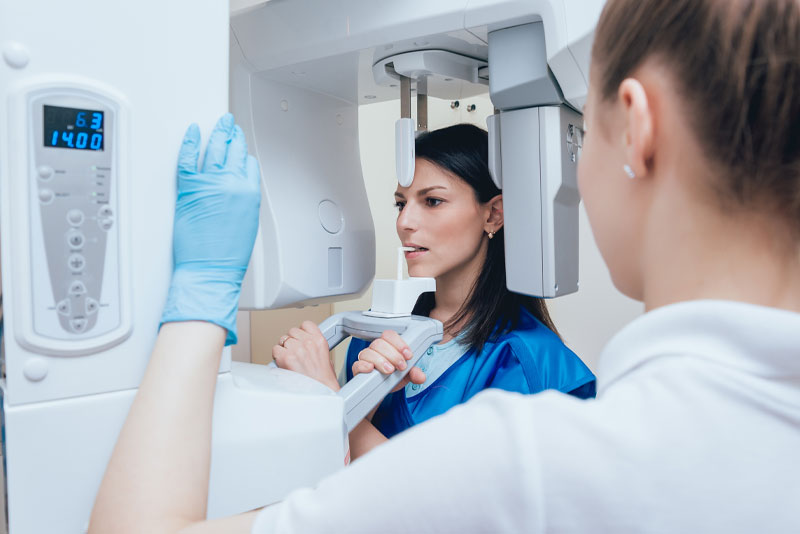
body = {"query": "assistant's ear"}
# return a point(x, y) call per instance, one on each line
point(638, 137)
point(494, 215)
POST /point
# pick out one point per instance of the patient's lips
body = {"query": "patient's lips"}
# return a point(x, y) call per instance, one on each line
point(416, 253)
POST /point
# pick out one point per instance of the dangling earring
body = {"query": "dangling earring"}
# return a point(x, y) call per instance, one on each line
point(629, 171)
point(490, 234)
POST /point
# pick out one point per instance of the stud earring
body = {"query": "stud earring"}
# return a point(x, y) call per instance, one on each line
point(629, 171)
point(490, 234)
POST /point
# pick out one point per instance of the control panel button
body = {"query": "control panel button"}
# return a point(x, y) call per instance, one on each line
point(75, 217)
point(105, 224)
point(76, 288)
point(76, 262)
point(75, 239)
point(35, 369)
point(91, 306)
point(46, 196)
point(64, 307)
point(78, 325)
point(105, 212)
point(45, 172)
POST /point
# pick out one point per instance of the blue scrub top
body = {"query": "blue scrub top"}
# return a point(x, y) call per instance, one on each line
point(529, 359)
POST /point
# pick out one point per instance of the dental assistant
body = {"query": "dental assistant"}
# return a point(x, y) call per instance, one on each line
point(691, 178)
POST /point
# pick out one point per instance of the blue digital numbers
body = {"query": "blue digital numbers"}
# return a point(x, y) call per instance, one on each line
point(97, 120)
point(80, 129)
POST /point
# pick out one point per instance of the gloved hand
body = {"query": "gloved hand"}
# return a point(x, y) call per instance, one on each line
point(216, 220)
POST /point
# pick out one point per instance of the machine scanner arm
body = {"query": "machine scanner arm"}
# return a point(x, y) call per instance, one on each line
point(365, 391)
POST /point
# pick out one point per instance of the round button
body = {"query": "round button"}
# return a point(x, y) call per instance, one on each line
point(46, 196)
point(105, 224)
point(415, 387)
point(430, 350)
point(75, 217)
point(16, 55)
point(75, 240)
point(330, 216)
point(76, 288)
point(35, 369)
point(45, 172)
point(76, 262)
point(105, 212)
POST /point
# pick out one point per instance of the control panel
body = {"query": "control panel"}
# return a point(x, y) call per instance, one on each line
point(73, 179)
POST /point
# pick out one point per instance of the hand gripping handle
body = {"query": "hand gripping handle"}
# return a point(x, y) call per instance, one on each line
point(365, 391)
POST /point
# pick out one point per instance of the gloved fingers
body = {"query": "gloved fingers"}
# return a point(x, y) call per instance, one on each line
point(394, 339)
point(190, 150)
point(390, 352)
point(217, 149)
point(253, 172)
point(236, 161)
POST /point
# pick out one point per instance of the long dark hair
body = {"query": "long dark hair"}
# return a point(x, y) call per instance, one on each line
point(491, 310)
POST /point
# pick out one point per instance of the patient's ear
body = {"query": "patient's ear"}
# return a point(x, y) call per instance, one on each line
point(494, 215)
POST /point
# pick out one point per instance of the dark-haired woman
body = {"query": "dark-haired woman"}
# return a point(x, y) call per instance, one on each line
point(452, 216)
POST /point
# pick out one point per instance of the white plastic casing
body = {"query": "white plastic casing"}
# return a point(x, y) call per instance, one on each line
point(322, 52)
point(404, 151)
point(396, 298)
point(37, 322)
point(540, 177)
point(316, 239)
point(64, 401)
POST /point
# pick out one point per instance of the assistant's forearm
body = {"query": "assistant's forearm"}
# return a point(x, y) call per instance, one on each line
point(364, 438)
point(157, 478)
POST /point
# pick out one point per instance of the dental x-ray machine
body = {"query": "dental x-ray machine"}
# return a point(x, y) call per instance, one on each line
point(94, 99)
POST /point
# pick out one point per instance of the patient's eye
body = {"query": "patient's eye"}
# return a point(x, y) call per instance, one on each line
point(400, 204)
point(433, 202)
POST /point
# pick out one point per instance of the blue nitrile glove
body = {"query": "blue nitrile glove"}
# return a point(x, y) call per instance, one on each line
point(216, 220)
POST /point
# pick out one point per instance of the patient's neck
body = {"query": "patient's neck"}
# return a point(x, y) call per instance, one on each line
point(453, 288)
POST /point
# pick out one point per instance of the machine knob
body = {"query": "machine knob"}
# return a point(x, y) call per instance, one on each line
point(35, 369)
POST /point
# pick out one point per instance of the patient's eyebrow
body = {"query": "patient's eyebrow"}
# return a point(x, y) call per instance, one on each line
point(423, 192)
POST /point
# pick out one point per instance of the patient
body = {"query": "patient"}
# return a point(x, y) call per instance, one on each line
point(452, 215)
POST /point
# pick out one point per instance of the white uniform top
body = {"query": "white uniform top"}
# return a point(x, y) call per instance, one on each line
point(696, 428)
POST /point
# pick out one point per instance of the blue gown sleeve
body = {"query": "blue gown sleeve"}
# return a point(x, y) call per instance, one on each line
point(531, 367)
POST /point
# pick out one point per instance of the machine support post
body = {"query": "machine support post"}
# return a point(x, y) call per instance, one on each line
point(422, 104)
point(405, 97)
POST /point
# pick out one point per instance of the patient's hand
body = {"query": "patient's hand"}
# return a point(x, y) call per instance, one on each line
point(305, 350)
point(387, 354)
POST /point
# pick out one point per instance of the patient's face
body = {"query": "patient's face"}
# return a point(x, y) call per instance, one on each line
point(440, 215)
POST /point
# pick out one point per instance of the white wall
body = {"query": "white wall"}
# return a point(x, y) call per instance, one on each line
point(586, 320)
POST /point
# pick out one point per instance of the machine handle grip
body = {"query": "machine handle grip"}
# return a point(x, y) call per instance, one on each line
point(365, 391)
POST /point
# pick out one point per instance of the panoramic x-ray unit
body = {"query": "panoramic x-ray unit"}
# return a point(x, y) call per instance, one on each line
point(94, 99)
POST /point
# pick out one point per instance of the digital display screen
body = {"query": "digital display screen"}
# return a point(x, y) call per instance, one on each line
point(80, 129)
